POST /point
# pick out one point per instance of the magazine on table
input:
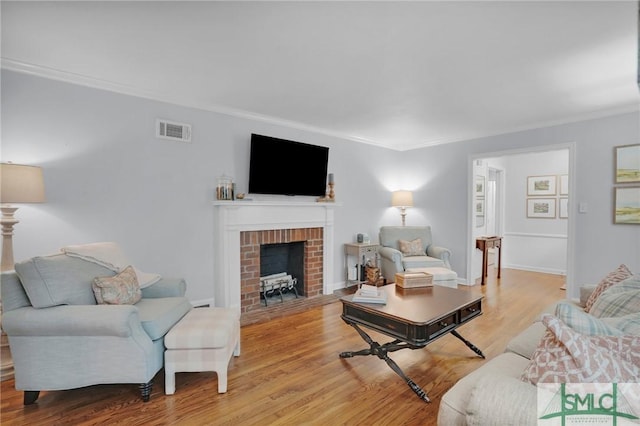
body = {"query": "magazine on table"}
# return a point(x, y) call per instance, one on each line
point(370, 294)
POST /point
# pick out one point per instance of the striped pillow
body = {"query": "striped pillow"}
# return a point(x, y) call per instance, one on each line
point(582, 322)
point(614, 277)
point(618, 300)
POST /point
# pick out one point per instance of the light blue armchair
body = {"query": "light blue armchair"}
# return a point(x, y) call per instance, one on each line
point(393, 260)
point(61, 339)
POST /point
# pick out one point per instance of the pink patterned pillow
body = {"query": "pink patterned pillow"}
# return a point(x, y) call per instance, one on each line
point(411, 248)
point(614, 277)
point(566, 356)
point(121, 289)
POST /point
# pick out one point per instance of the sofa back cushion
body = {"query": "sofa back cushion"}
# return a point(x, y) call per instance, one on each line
point(13, 295)
point(390, 236)
point(59, 280)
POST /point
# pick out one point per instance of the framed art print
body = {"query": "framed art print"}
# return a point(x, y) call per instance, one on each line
point(480, 191)
point(628, 163)
point(542, 208)
point(541, 185)
point(564, 184)
point(563, 208)
point(627, 205)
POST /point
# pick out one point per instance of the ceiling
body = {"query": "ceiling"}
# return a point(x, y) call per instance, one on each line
point(395, 74)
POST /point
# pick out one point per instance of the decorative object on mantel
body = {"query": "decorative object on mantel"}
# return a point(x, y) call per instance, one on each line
point(402, 199)
point(18, 184)
point(225, 189)
point(331, 197)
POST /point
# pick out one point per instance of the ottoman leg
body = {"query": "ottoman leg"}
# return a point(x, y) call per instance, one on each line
point(169, 378)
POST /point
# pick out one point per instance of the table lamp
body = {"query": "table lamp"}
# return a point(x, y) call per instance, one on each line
point(18, 184)
point(402, 200)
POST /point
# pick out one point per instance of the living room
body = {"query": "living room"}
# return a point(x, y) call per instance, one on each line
point(108, 178)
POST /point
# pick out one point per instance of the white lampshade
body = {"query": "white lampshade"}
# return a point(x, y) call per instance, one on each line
point(402, 199)
point(21, 184)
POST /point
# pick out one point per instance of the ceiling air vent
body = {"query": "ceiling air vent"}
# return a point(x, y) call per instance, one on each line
point(173, 131)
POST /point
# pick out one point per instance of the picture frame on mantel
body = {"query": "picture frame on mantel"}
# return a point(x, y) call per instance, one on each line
point(627, 163)
point(541, 185)
point(541, 208)
point(627, 205)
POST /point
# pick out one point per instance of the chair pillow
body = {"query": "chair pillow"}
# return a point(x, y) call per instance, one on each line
point(566, 356)
point(59, 280)
point(411, 248)
point(614, 277)
point(121, 289)
point(628, 324)
point(618, 300)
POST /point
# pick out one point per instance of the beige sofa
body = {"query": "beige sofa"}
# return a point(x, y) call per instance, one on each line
point(494, 393)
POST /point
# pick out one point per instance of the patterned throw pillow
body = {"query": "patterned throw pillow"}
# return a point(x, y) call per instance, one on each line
point(582, 322)
point(121, 289)
point(614, 277)
point(566, 356)
point(411, 248)
point(618, 300)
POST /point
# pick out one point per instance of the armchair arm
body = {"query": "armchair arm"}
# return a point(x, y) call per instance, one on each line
point(72, 320)
point(440, 253)
point(391, 260)
point(502, 400)
point(166, 287)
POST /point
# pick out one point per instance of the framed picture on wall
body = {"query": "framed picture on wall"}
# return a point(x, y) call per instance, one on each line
point(628, 163)
point(541, 208)
point(541, 185)
point(627, 205)
point(563, 208)
point(564, 184)
point(480, 191)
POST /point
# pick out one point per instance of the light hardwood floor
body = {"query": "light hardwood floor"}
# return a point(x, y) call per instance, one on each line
point(289, 372)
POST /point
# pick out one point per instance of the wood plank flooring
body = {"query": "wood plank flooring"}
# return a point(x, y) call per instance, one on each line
point(289, 372)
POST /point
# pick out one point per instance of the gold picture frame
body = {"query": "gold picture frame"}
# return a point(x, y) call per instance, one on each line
point(627, 168)
point(626, 205)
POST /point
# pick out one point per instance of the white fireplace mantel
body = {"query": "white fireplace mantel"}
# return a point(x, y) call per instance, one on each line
point(233, 217)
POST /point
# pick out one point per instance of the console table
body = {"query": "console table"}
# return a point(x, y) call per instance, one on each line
point(484, 244)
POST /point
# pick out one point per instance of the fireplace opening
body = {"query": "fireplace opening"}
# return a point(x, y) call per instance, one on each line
point(282, 270)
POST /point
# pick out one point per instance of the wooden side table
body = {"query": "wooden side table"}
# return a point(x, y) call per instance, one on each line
point(359, 250)
point(484, 244)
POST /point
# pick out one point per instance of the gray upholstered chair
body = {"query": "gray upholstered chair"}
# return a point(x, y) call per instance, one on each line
point(393, 260)
point(60, 338)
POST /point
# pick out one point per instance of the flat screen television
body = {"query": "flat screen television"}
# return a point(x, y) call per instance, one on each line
point(284, 167)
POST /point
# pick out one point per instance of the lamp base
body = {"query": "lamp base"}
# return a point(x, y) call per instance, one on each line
point(7, 264)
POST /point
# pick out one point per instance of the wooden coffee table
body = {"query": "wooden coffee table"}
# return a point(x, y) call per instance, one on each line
point(414, 317)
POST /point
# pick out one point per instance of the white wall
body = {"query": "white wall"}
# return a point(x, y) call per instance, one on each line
point(534, 244)
point(108, 178)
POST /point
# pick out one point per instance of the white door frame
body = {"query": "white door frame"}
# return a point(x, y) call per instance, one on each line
point(471, 246)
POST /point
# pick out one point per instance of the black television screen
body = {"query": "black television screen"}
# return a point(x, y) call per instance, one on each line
point(284, 167)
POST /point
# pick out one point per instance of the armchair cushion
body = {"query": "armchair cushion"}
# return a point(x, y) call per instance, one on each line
point(121, 289)
point(413, 262)
point(411, 248)
point(59, 280)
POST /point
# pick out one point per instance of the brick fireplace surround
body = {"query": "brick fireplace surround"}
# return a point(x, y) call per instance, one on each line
point(241, 226)
point(250, 242)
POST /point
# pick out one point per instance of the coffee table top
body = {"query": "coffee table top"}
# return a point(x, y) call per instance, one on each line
point(418, 306)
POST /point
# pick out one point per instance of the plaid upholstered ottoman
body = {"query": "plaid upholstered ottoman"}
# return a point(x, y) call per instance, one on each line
point(203, 340)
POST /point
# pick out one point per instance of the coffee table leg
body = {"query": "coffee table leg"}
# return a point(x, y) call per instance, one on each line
point(468, 343)
point(381, 352)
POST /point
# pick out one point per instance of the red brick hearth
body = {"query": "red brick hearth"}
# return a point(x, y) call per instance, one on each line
point(250, 242)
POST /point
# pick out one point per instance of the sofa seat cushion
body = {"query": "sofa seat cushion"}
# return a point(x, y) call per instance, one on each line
point(501, 400)
point(159, 315)
point(412, 262)
point(454, 403)
point(59, 280)
point(525, 343)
